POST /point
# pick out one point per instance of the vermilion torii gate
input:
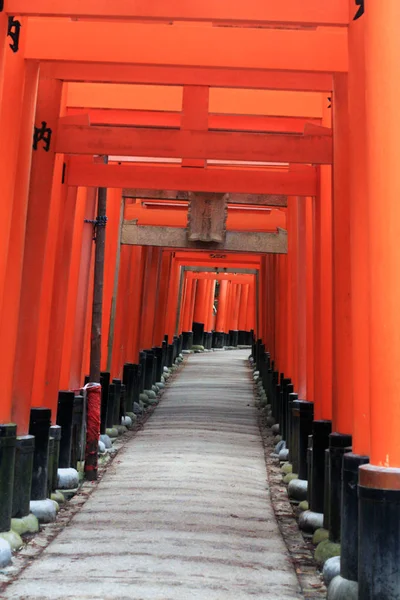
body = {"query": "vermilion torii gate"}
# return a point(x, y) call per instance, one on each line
point(286, 99)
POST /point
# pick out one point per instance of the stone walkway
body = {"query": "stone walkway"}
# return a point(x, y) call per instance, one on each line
point(183, 513)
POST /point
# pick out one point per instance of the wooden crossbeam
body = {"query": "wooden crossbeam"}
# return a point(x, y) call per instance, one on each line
point(98, 72)
point(81, 171)
point(130, 141)
point(176, 237)
point(152, 118)
point(330, 12)
point(215, 101)
point(322, 49)
point(252, 199)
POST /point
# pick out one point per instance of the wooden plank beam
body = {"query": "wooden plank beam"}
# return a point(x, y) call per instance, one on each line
point(171, 75)
point(176, 237)
point(81, 171)
point(151, 118)
point(130, 141)
point(322, 49)
point(218, 101)
point(252, 199)
point(331, 12)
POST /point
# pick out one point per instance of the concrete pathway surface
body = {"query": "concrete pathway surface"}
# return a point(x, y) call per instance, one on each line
point(183, 513)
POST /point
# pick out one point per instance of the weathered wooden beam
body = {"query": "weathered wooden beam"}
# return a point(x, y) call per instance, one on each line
point(176, 237)
point(131, 141)
point(81, 171)
point(252, 199)
point(332, 12)
point(321, 49)
point(153, 118)
point(262, 79)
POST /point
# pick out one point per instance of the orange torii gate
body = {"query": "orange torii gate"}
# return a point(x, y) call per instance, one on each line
point(327, 310)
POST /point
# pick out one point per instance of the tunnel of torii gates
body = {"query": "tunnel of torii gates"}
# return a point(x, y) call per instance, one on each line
point(208, 173)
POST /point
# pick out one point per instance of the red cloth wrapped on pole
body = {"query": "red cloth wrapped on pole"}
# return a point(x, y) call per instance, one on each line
point(93, 394)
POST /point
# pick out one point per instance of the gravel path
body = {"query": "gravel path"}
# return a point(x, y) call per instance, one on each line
point(183, 512)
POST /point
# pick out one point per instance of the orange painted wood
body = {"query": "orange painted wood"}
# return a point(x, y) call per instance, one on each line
point(222, 306)
point(210, 321)
point(148, 311)
point(238, 220)
point(187, 305)
point(13, 70)
point(200, 305)
point(38, 223)
point(130, 141)
point(172, 305)
point(310, 11)
point(217, 101)
point(322, 49)
point(243, 309)
point(77, 312)
point(9, 314)
point(114, 199)
point(151, 118)
point(342, 384)
point(48, 296)
point(76, 295)
point(195, 107)
point(121, 324)
point(382, 54)
point(134, 305)
point(160, 325)
point(47, 377)
point(359, 239)
point(293, 80)
point(310, 355)
point(301, 298)
point(322, 210)
point(251, 323)
point(84, 172)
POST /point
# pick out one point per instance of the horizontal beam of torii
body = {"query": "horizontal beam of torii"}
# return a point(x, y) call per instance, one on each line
point(194, 75)
point(251, 199)
point(322, 49)
point(81, 171)
point(131, 141)
point(329, 12)
point(176, 237)
point(161, 118)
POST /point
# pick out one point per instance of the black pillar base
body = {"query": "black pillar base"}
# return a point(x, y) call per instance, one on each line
point(127, 380)
point(142, 363)
point(379, 533)
point(39, 426)
point(8, 434)
point(198, 334)
point(149, 374)
point(105, 384)
point(158, 353)
point(207, 340)
point(320, 442)
point(218, 339)
point(55, 433)
point(349, 527)
point(78, 437)
point(65, 411)
point(242, 338)
point(303, 416)
point(187, 340)
point(24, 449)
point(339, 444)
point(170, 355)
point(117, 383)
point(233, 337)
